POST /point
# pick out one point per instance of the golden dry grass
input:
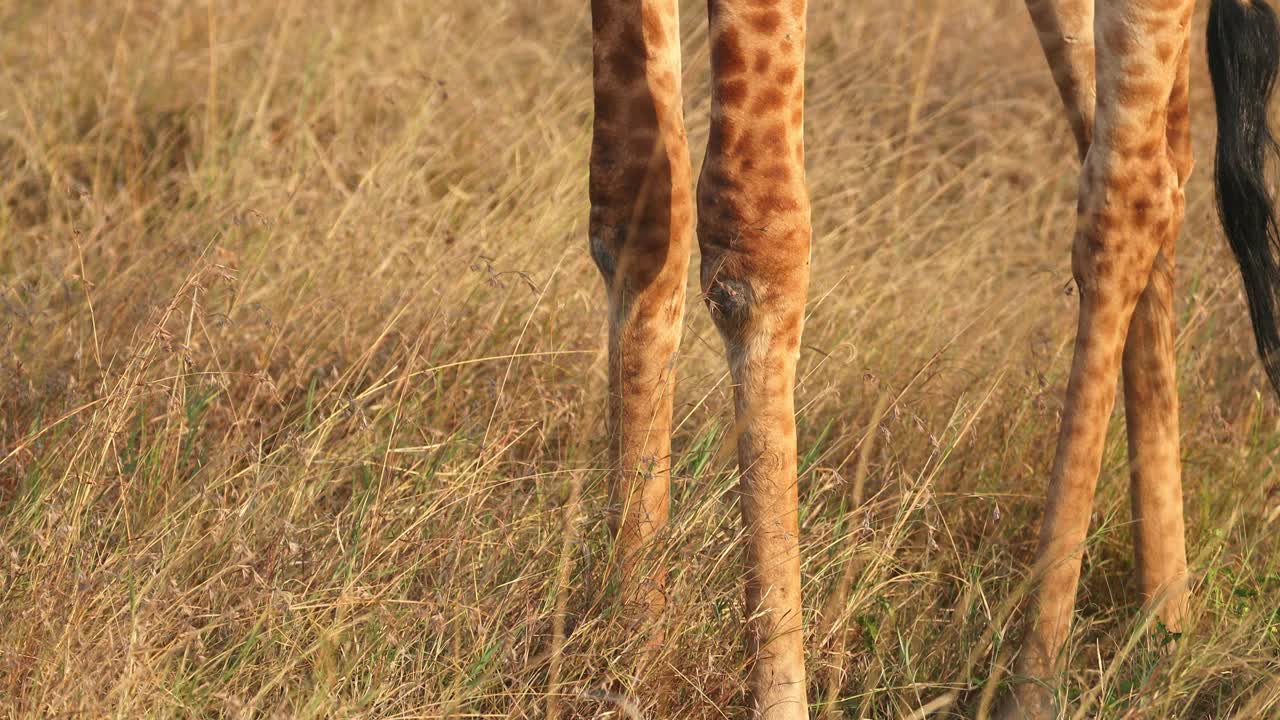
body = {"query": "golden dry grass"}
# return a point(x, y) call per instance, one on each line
point(301, 352)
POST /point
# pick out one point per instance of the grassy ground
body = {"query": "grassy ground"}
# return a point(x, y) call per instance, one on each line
point(301, 353)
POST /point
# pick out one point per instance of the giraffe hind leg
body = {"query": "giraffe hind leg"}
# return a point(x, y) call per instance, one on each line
point(1155, 485)
point(1127, 205)
point(1065, 30)
point(1151, 399)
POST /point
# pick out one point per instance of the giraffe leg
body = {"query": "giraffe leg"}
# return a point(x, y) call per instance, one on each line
point(1151, 399)
point(1127, 205)
point(1065, 29)
point(1155, 483)
point(754, 232)
point(640, 232)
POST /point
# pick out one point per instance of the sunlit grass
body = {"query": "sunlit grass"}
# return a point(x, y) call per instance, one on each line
point(301, 353)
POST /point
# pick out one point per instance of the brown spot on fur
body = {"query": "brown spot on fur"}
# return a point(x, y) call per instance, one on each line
point(626, 67)
point(766, 22)
point(726, 54)
point(768, 101)
point(762, 62)
point(1155, 178)
point(777, 204)
point(1119, 40)
point(1142, 211)
point(774, 140)
point(1144, 91)
point(719, 181)
point(732, 93)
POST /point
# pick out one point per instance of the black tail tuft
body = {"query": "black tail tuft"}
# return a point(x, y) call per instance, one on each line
point(1244, 57)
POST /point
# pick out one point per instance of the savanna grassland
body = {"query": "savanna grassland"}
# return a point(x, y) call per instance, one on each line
point(302, 377)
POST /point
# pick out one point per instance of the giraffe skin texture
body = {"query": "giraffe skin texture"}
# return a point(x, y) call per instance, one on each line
point(1136, 157)
point(754, 235)
point(640, 234)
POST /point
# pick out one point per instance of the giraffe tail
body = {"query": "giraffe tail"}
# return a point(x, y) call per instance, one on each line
point(1244, 58)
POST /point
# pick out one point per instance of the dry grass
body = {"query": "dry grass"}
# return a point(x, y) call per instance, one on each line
point(301, 353)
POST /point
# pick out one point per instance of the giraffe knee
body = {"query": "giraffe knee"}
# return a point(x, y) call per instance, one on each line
point(730, 299)
point(731, 302)
point(758, 310)
point(638, 257)
point(604, 255)
point(1126, 211)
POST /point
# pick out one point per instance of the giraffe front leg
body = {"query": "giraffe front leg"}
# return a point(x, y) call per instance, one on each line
point(754, 232)
point(640, 236)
